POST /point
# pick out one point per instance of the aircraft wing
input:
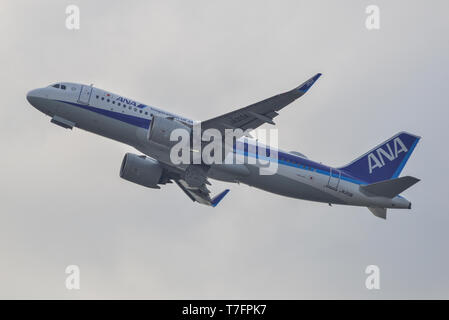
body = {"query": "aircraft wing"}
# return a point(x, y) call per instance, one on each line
point(253, 116)
point(200, 194)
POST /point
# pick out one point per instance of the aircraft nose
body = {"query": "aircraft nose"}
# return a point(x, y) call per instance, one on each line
point(31, 96)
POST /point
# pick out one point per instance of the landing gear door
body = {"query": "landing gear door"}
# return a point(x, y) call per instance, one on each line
point(334, 179)
point(85, 93)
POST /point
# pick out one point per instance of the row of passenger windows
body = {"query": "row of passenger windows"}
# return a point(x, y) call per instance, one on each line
point(298, 165)
point(120, 104)
point(281, 158)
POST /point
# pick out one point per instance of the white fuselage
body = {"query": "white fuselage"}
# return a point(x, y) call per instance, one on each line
point(127, 121)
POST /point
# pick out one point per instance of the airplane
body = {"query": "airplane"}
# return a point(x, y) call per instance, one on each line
point(372, 180)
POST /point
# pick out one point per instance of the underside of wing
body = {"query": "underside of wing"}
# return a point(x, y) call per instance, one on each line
point(253, 116)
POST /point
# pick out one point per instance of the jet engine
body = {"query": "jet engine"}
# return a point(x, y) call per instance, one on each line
point(161, 129)
point(142, 170)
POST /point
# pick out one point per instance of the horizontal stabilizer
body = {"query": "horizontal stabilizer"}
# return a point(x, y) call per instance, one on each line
point(389, 188)
point(379, 212)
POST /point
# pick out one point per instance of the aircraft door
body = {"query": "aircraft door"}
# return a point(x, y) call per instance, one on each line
point(85, 93)
point(334, 178)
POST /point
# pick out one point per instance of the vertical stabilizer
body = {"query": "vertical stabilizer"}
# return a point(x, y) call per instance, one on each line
point(385, 161)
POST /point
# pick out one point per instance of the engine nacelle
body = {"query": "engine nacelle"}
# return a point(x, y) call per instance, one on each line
point(142, 170)
point(161, 129)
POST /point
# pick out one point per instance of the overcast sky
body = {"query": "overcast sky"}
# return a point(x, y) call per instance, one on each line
point(63, 202)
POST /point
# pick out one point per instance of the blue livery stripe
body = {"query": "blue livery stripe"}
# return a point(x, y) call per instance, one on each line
point(324, 170)
point(133, 120)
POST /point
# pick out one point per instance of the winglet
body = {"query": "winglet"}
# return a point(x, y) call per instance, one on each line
point(216, 200)
point(309, 83)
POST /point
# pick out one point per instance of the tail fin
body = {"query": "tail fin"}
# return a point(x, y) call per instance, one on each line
point(385, 161)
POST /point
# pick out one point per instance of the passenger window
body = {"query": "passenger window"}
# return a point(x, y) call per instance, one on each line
point(102, 98)
point(140, 111)
point(62, 87)
point(56, 86)
point(118, 104)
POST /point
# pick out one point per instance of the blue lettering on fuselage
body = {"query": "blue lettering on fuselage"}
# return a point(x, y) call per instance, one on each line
point(130, 102)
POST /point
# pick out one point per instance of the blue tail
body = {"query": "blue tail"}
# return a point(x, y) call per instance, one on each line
point(385, 161)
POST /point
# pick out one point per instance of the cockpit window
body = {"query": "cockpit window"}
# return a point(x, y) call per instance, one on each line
point(59, 86)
